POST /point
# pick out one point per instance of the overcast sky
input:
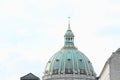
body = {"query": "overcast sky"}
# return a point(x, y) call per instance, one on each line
point(31, 31)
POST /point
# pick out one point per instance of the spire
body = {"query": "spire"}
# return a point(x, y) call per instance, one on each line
point(69, 37)
point(69, 28)
point(69, 23)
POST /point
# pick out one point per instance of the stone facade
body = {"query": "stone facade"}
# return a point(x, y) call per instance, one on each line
point(114, 63)
point(111, 70)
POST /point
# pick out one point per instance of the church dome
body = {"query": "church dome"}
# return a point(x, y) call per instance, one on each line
point(69, 62)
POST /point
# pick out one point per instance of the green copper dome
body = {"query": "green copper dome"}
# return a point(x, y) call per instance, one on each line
point(69, 60)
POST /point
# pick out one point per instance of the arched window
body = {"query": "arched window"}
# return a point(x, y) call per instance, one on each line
point(68, 59)
point(68, 71)
point(46, 72)
point(68, 38)
point(80, 60)
point(55, 71)
point(57, 60)
point(82, 71)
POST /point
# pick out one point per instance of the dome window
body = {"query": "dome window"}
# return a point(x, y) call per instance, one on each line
point(49, 61)
point(46, 72)
point(57, 60)
point(82, 71)
point(68, 71)
point(80, 60)
point(68, 59)
point(68, 38)
point(92, 73)
point(88, 61)
point(55, 71)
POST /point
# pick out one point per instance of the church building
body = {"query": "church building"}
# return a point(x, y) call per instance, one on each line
point(71, 64)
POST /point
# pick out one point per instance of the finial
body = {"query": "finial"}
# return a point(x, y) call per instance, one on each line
point(69, 23)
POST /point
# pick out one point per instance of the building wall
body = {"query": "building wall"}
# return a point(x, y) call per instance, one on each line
point(105, 74)
point(111, 70)
point(115, 66)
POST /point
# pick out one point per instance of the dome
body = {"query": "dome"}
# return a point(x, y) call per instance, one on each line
point(69, 63)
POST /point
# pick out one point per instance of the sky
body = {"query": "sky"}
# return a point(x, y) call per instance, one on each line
point(31, 31)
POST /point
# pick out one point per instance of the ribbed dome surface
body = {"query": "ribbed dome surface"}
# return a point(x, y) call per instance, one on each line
point(69, 61)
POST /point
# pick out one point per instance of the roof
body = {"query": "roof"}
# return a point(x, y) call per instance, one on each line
point(30, 76)
point(69, 59)
point(69, 33)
